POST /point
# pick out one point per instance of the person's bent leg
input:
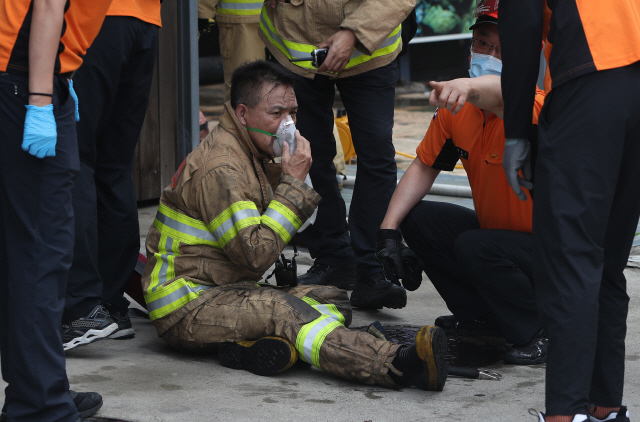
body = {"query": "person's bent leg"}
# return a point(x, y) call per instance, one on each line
point(430, 230)
point(499, 264)
point(37, 245)
point(245, 311)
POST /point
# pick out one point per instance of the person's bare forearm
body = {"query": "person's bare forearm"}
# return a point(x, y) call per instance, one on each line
point(414, 185)
point(486, 93)
point(44, 39)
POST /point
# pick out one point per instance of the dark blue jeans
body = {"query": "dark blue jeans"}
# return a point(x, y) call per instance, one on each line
point(36, 245)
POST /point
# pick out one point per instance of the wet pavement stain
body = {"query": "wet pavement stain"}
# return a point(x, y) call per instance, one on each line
point(270, 400)
point(320, 401)
point(108, 368)
point(87, 378)
point(170, 387)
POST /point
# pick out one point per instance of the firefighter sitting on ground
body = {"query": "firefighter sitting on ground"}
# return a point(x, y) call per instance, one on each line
point(480, 261)
point(227, 215)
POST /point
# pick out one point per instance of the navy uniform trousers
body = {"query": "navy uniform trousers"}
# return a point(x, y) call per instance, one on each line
point(480, 273)
point(36, 245)
point(113, 88)
point(369, 99)
point(585, 213)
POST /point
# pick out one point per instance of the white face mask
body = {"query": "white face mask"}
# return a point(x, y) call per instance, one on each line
point(286, 133)
point(484, 64)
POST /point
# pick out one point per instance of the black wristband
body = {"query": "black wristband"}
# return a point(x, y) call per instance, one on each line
point(384, 234)
point(41, 93)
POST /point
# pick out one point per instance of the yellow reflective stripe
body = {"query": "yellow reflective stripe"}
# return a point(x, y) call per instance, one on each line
point(289, 48)
point(388, 46)
point(312, 335)
point(240, 7)
point(281, 220)
point(186, 229)
point(171, 297)
point(296, 50)
point(235, 218)
point(325, 309)
point(164, 269)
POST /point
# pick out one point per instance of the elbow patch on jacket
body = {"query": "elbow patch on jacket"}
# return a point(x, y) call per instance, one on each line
point(447, 158)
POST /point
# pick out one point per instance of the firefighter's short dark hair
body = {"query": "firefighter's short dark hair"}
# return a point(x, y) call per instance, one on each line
point(247, 81)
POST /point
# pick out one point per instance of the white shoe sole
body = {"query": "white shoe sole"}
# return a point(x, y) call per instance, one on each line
point(127, 332)
point(90, 337)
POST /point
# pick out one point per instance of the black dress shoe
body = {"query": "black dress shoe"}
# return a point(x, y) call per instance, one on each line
point(532, 353)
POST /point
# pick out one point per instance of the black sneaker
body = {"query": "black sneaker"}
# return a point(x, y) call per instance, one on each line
point(423, 365)
point(97, 325)
point(266, 356)
point(87, 403)
point(475, 328)
point(125, 329)
point(532, 353)
point(343, 276)
point(376, 292)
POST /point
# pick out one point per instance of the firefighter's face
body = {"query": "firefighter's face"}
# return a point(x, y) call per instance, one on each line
point(276, 104)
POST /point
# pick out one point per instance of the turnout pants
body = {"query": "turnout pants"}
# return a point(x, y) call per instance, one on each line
point(313, 318)
point(478, 273)
point(239, 44)
point(369, 99)
point(585, 213)
point(36, 244)
point(113, 87)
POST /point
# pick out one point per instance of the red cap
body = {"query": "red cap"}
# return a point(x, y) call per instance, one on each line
point(486, 12)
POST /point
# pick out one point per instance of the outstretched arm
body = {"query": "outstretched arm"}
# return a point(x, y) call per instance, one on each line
point(483, 92)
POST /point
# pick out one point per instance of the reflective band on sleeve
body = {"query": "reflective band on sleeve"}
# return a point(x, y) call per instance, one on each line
point(326, 309)
point(240, 7)
point(281, 220)
point(182, 227)
point(238, 216)
point(171, 297)
point(296, 50)
point(311, 337)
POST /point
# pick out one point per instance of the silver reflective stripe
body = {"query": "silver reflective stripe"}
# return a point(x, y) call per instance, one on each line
point(162, 274)
point(324, 309)
point(240, 6)
point(233, 220)
point(293, 53)
point(184, 228)
point(170, 298)
point(282, 220)
point(385, 43)
point(307, 347)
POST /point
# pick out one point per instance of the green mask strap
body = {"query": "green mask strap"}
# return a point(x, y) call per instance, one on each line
point(265, 132)
point(261, 131)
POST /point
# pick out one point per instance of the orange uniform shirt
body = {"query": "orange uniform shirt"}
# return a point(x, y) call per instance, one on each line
point(145, 10)
point(82, 22)
point(479, 144)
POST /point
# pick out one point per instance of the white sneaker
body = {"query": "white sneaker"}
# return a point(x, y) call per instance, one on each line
point(576, 418)
point(613, 416)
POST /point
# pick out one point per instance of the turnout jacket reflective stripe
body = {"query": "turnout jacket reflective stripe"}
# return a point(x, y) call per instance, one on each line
point(584, 36)
point(230, 11)
point(295, 28)
point(225, 218)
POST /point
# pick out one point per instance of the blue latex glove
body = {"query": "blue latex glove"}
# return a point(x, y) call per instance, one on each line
point(73, 94)
point(40, 134)
point(516, 157)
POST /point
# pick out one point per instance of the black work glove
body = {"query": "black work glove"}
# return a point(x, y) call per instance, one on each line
point(398, 261)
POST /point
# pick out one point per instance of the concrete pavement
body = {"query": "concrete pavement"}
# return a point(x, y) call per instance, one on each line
point(143, 380)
